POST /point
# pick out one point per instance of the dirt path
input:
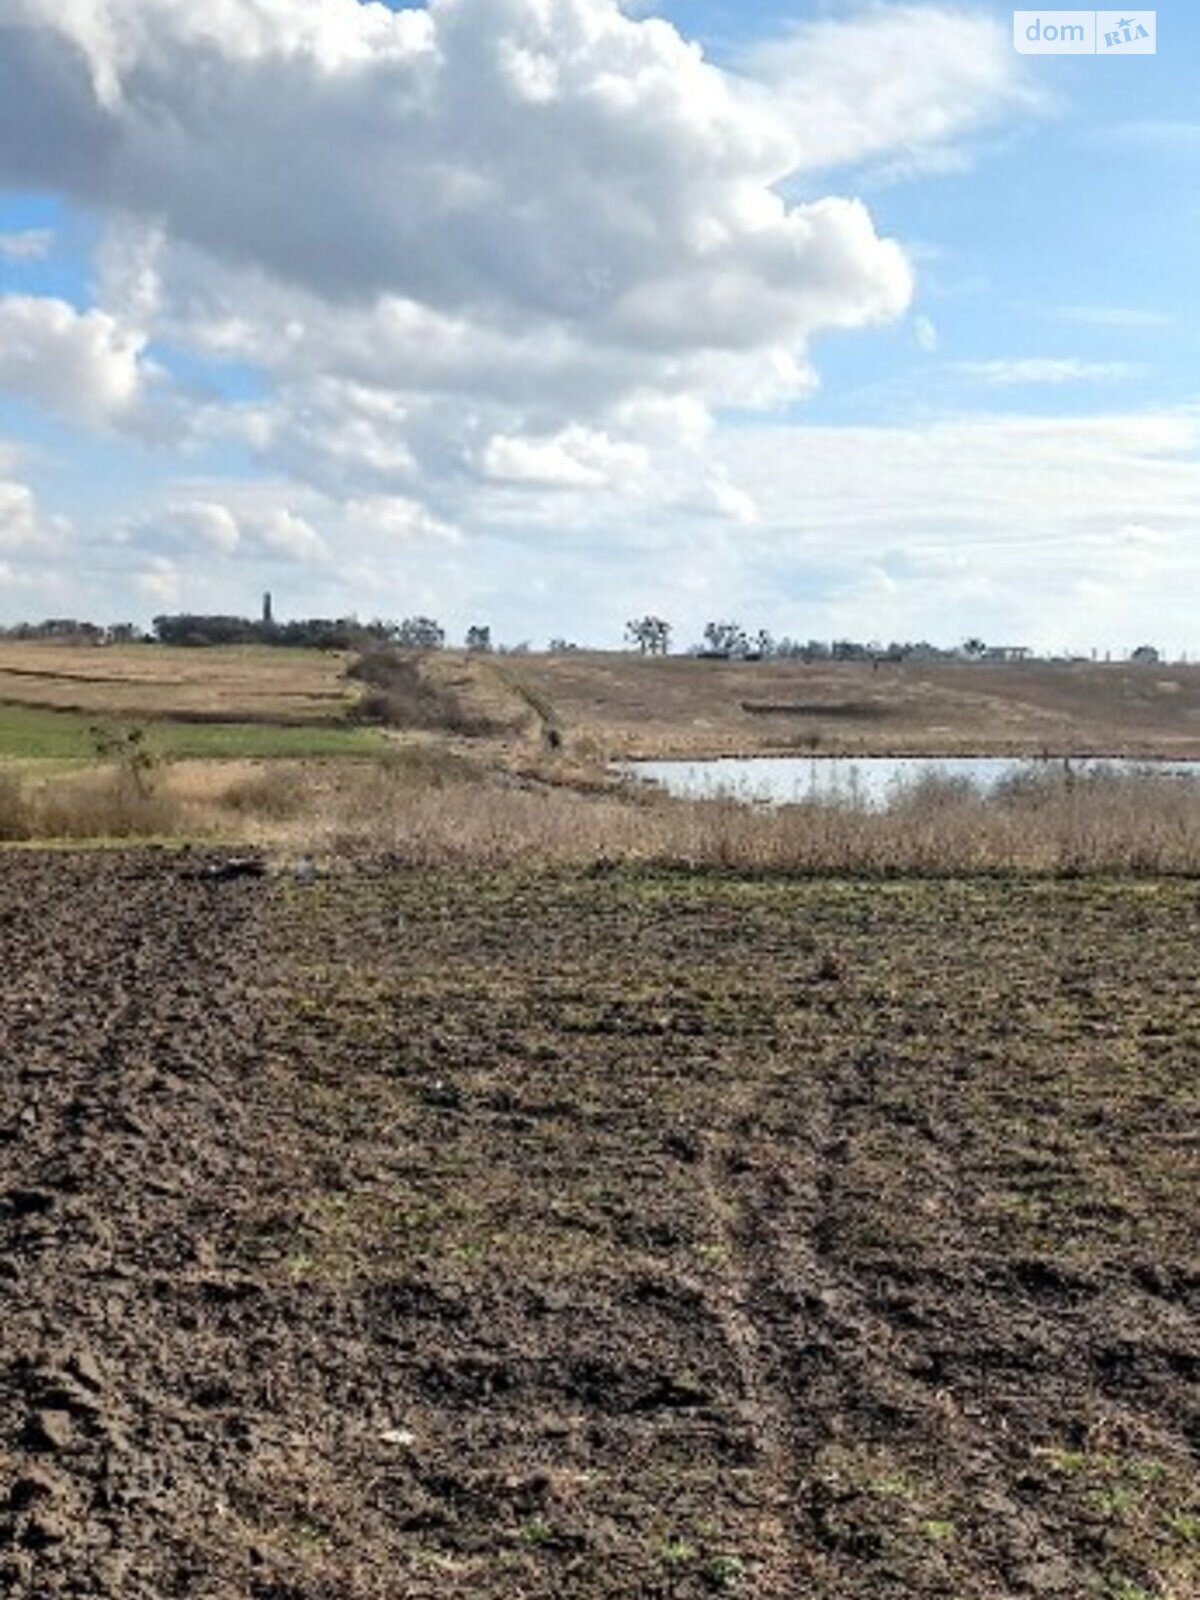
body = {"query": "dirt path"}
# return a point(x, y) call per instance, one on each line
point(419, 1237)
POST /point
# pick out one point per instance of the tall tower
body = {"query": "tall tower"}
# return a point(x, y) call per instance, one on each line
point(268, 615)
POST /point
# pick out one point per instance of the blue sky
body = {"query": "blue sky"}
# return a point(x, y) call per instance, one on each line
point(860, 324)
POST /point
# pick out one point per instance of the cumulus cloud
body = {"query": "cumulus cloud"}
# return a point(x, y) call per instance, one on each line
point(32, 545)
point(284, 534)
point(549, 208)
point(666, 475)
point(190, 528)
point(161, 582)
point(338, 434)
point(396, 520)
point(576, 458)
point(198, 528)
point(23, 528)
point(83, 363)
point(536, 247)
point(499, 158)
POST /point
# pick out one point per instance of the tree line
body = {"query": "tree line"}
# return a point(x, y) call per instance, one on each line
point(650, 635)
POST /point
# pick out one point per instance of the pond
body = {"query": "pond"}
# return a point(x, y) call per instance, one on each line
point(865, 780)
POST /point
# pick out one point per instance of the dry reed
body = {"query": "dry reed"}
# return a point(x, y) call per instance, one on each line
point(1098, 824)
point(427, 806)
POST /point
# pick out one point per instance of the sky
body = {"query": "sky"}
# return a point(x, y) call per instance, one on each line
point(838, 320)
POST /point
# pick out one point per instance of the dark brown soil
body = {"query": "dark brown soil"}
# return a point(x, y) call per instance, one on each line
point(415, 1236)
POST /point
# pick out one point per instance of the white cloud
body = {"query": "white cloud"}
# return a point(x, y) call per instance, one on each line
point(31, 244)
point(282, 533)
point(32, 542)
point(1035, 529)
point(161, 582)
point(550, 210)
point(507, 162)
point(23, 528)
point(342, 435)
point(1046, 369)
point(901, 83)
point(85, 364)
point(497, 266)
point(995, 525)
point(396, 521)
point(189, 528)
point(1021, 474)
point(662, 420)
point(535, 247)
point(581, 464)
point(926, 334)
point(1141, 537)
point(577, 458)
point(716, 495)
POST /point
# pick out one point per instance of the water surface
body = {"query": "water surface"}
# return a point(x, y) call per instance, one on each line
point(866, 780)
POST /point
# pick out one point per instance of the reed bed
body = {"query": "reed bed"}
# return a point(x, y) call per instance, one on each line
point(1041, 822)
point(427, 806)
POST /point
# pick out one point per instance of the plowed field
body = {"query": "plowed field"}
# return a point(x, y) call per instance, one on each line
point(418, 1235)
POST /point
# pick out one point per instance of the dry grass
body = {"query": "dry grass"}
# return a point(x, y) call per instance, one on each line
point(619, 705)
point(426, 805)
point(101, 803)
point(272, 794)
point(230, 684)
point(1105, 823)
point(247, 801)
point(628, 707)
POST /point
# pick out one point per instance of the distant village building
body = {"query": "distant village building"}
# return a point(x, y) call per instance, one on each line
point(1007, 654)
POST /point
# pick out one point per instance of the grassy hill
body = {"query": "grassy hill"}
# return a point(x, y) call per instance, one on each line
point(631, 706)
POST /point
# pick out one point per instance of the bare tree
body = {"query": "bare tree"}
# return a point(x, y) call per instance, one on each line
point(725, 639)
point(651, 635)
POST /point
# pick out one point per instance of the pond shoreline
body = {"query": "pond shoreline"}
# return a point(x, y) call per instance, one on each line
point(1032, 758)
point(876, 780)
